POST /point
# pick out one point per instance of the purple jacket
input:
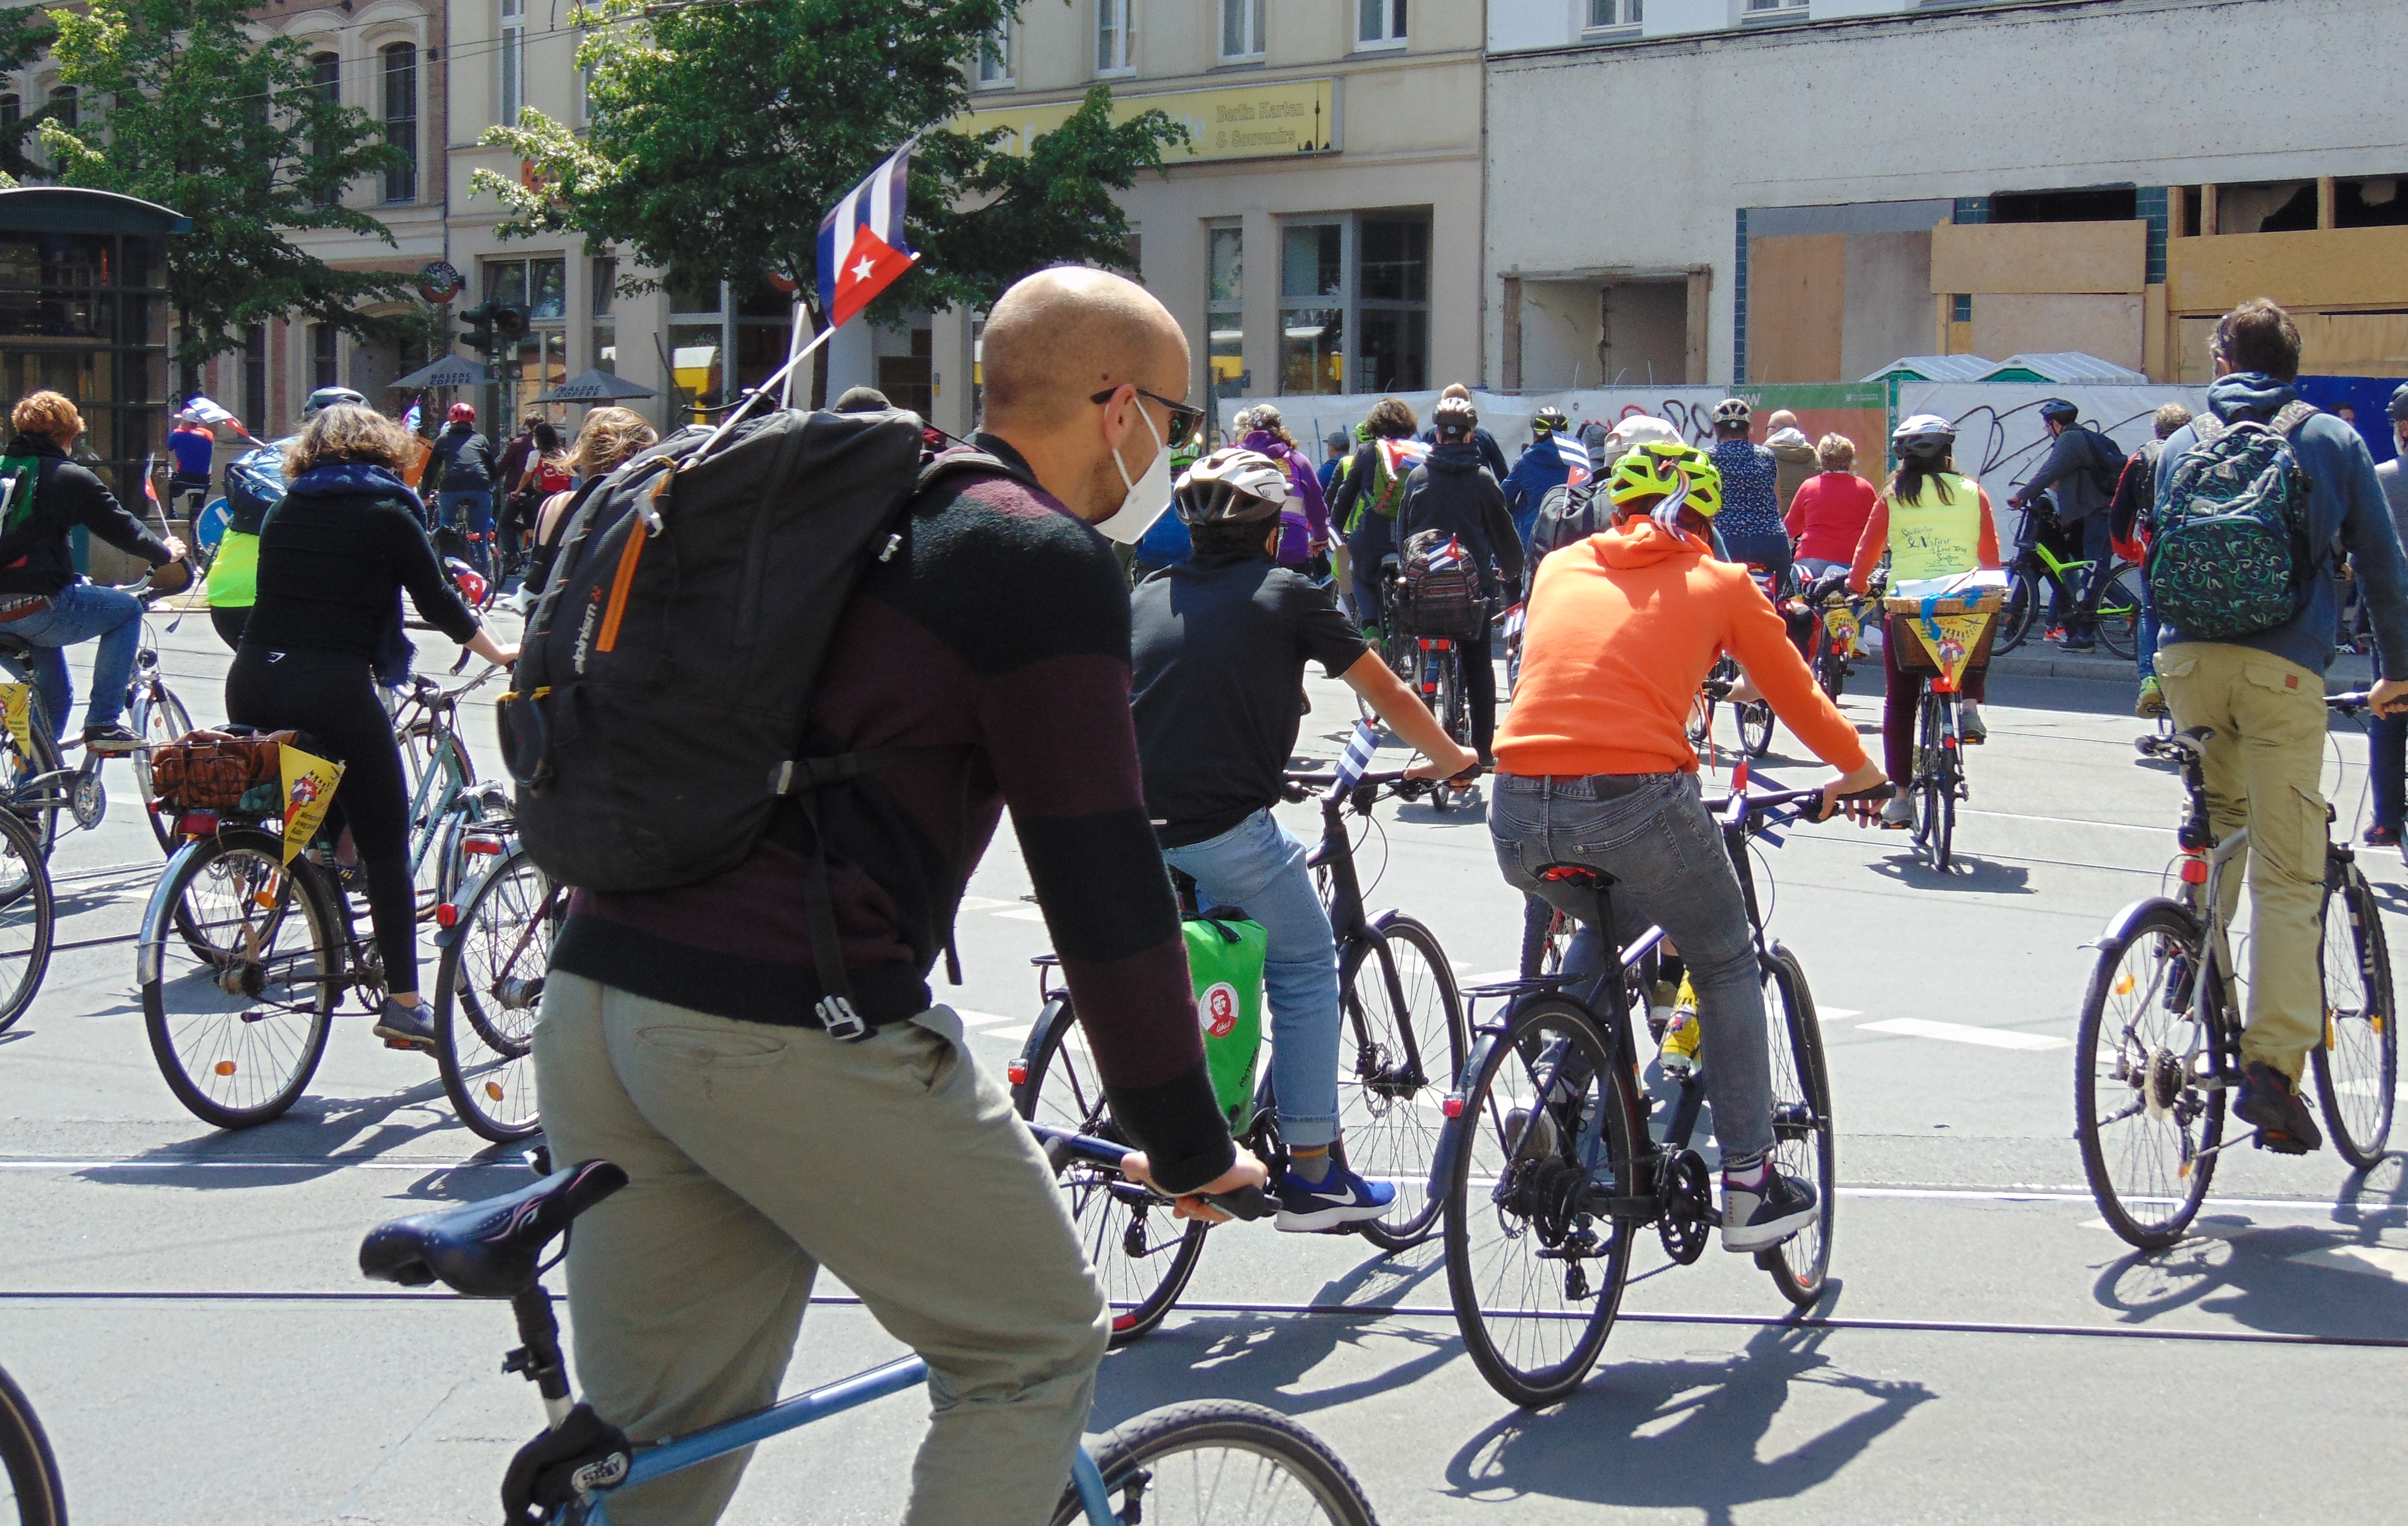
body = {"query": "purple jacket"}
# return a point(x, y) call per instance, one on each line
point(1297, 530)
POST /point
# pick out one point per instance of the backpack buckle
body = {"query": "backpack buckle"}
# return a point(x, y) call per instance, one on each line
point(837, 1016)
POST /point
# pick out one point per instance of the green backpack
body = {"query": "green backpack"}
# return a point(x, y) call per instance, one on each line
point(19, 476)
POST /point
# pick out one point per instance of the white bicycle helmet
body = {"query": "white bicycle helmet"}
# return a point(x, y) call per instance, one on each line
point(1231, 487)
point(326, 398)
point(1925, 434)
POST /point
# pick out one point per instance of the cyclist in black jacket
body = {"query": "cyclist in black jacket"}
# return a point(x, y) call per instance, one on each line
point(1452, 491)
point(333, 559)
point(44, 601)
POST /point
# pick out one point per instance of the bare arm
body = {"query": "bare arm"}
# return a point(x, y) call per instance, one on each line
point(1409, 718)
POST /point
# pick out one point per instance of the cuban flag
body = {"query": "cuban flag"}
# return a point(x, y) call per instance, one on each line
point(1357, 759)
point(1575, 458)
point(1447, 557)
point(861, 242)
point(410, 420)
point(212, 414)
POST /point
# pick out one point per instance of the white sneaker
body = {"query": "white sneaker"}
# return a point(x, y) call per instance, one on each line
point(1898, 814)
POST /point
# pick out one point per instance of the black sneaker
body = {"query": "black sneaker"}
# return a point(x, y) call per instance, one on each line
point(109, 739)
point(406, 1028)
point(2268, 1100)
point(1759, 1218)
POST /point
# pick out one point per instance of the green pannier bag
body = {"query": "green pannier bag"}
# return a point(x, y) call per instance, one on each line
point(1225, 961)
point(18, 475)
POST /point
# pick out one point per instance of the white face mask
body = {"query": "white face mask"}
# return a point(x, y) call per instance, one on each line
point(1148, 497)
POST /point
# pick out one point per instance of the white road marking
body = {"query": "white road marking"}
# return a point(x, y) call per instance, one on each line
point(1024, 914)
point(2071, 821)
point(2366, 1260)
point(982, 1019)
point(1994, 1038)
point(1493, 977)
point(985, 903)
point(1836, 1015)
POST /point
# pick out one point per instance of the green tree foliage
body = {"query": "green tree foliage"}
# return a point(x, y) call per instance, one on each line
point(228, 128)
point(23, 34)
point(722, 134)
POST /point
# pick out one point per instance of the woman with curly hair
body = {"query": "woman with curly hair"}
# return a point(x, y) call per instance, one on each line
point(608, 437)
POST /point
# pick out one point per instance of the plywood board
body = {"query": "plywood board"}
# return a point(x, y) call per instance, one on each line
point(1887, 313)
point(2034, 257)
point(2337, 268)
point(1796, 300)
point(2353, 343)
point(2107, 325)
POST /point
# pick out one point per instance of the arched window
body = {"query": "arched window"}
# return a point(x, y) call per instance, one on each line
point(62, 105)
point(327, 83)
point(401, 118)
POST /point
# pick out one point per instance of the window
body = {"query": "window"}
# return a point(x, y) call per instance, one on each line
point(1605, 13)
point(1241, 29)
point(327, 83)
point(513, 61)
point(254, 375)
point(401, 120)
point(62, 105)
point(1116, 36)
point(325, 342)
point(1380, 23)
point(1758, 6)
point(994, 57)
point(604, 333)
point(1225, 308)
point(11, 112)
point(1354, 303)
point(538, 360)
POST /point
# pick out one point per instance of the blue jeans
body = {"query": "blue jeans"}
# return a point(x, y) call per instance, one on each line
point(1258, 866)
point(78, 613)
point(470, 511)
point(2144, 649)
point(1652, 834)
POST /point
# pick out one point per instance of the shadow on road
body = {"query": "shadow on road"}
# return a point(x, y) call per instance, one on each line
point(321, 1136)
point(1967, 876)
point(1690, 1434)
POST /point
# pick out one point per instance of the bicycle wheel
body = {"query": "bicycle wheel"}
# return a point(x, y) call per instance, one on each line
point(1701, 721)
point(1221, 1462)
point(28, 919)
point(1805, 1142)
point(2146, 1128)
point(159, 718)
point(1755, 727)
point(2357, 1064)
point(1935, 782)
point(36, 1494)
point(1534, 1271)
point(486, 997)
point(2015, 619)
point(1400, 1048)
point(21, 763)
point(2118, 615)
point(239, 1000)
point(1142, 1253)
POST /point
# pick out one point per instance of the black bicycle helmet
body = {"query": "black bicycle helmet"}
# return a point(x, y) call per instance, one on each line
point(2057, 411)
point(1551, 421)
point(1231, 487)
point(1925, 434)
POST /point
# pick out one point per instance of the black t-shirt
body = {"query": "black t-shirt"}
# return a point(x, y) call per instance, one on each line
point(1218, 649)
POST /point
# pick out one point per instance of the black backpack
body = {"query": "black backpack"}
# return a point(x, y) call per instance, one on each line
point(1566, 514)
point(656, 722)
point(2107, 463)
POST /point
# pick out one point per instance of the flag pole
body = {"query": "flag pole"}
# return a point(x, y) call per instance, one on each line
point(755, 396)
point(787, 393)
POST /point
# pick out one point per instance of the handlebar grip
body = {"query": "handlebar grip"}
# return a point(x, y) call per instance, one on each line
point(1874, 792)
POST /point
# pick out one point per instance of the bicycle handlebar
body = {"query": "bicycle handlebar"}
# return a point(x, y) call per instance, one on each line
point(1062, 1145)
point(1301, 786)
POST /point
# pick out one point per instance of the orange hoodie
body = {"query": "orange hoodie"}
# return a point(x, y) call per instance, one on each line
point(1623, 628)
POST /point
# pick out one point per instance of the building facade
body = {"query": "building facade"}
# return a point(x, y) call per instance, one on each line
point(1321, 233)
point(1807, 192)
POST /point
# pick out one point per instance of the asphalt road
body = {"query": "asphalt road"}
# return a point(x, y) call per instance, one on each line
point(185, 1310)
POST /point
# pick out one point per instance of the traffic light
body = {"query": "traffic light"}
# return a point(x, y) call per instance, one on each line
point(489, 325)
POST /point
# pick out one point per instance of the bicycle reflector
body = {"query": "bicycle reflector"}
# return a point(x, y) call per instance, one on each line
point(1452, 1107)
point(1016, 1072)
point(481, 844)
point(2194, 868)
point(447, 916)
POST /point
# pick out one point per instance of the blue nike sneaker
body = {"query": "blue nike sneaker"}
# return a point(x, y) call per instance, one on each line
point(1337, 1200)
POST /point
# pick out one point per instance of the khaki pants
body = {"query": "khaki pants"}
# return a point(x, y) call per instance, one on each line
point(2265, 768)
point(759, 1153)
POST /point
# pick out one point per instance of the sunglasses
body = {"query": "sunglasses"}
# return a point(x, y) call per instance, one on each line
point(1184, 419)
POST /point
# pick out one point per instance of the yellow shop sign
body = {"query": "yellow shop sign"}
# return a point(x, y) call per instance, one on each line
point(1272, 119)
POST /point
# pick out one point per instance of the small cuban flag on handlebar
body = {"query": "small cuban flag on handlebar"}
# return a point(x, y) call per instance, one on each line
point(1575, 456)
point(1357, 760)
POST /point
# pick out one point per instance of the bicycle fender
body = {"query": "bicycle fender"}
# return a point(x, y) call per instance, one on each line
point(1450, 1138)
point(2119, 927)
point(1030, 1049)
point(150, 952)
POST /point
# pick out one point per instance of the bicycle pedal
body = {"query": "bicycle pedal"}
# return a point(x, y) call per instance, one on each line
point(2281, 1143)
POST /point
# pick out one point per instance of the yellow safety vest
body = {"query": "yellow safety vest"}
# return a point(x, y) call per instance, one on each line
point(234, 572)
point(1938, 538)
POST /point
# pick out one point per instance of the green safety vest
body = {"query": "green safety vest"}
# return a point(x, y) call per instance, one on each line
point(234, 572)
point(1938, 538)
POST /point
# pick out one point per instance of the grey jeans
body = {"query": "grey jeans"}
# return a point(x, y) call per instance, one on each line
point(1652, 834)
point(758, 1155)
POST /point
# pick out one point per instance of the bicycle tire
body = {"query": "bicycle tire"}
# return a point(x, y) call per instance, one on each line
point(1172, 1467)
point(1389, 1095)
point(36, 1491)
point(2015, 619)
point(191, 990)
point(1142, 1255)
point(486, 994)
point(2357, 1062)
point(1497, 1189)
point(159, 717)
point(2116, 615)
point(18, 765)
point(1805, 1140)
point(2139, 996)
point(25, 896)
point(1755, 727)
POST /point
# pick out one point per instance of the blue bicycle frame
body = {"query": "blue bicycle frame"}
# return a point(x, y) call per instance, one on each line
point(793, 1415)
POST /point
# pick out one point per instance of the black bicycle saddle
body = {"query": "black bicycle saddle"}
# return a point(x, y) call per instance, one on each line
point(488, 1249)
